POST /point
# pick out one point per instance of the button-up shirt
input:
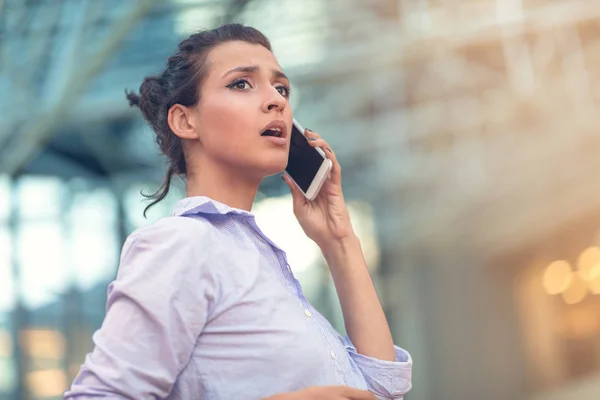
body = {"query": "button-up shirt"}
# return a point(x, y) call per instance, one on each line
point(205, 306)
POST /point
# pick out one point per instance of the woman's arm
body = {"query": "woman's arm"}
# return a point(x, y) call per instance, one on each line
point(386, 368)
point(364, 318)
point(326, 221)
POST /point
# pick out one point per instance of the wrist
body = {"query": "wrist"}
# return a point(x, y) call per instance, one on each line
point(340, 248)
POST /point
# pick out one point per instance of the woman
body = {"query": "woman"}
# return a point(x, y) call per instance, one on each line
point(204, 305)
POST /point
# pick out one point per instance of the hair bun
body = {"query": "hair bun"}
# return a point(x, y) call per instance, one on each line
point(133, 98)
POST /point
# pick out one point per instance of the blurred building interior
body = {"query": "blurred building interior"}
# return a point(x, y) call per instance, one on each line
point(468, 133)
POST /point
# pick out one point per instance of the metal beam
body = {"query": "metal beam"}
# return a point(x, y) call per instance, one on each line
point(35, 135)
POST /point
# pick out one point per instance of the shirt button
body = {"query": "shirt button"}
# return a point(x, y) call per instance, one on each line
point(308, 313)
point(332, 354)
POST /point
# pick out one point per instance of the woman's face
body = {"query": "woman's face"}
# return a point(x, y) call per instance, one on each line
point(243, 93)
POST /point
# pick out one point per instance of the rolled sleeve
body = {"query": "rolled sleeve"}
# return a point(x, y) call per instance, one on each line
point(386, 379)
point(156, 309)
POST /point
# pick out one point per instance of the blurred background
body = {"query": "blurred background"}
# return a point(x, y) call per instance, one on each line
point(468, 131)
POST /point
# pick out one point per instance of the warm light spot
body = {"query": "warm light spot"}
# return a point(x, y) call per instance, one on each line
point(595, 272)
point(43, 343)
point(47, 383)
point(589, 263)
point(576, 291)
point(6, 346)
point(594, 285)
point(557, 277)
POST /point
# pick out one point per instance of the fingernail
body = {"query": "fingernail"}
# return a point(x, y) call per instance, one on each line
point(312, 139)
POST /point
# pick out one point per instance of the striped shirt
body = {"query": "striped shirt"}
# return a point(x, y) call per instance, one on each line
point(205, 306)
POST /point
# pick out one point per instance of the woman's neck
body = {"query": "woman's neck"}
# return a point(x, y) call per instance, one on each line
point(222, 185)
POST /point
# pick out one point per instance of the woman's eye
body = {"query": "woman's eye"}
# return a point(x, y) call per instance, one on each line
point(240, 85)
point(284, 91)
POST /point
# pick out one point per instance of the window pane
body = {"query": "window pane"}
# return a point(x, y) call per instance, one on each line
point(44, 273)
point(7, 373)
point(4, 197)
point(93, 208)
point(95, 255)
point(39, 197)
point(93, 246)
point(7, 286)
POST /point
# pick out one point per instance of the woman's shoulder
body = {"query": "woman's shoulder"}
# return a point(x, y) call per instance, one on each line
point(181, 242)
point(181, 235)
point(174, 229)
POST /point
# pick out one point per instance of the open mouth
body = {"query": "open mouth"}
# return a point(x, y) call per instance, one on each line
point(275, 132)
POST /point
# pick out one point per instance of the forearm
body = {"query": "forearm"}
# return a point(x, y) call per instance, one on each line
point(364, 319)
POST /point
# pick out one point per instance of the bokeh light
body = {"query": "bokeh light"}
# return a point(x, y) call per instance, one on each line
point(576, 291)
point(588, 263)
point(557, 277)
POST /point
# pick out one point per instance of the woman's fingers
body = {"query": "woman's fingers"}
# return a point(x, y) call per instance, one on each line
point(315, 140)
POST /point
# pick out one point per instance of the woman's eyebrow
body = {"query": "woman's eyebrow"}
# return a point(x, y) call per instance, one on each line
point(255, 68)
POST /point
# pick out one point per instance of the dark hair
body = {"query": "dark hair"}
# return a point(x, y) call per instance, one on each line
point(179, 84)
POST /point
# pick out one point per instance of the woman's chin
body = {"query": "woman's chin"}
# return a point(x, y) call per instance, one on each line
point(274, 168)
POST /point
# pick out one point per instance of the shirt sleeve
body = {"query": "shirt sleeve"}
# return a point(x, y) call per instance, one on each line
point(156, 308)
point(386, 379)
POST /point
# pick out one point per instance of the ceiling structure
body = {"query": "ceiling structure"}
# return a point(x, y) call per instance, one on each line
point(482, 113)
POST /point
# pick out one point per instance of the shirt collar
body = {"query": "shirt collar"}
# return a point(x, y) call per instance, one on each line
point(205, 205)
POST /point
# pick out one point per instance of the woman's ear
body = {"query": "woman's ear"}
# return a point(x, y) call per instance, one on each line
point(182, 122)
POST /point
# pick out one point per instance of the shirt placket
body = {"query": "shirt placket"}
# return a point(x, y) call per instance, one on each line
point(293, 287)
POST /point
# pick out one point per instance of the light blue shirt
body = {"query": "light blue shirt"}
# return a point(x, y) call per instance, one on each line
point(205, 306)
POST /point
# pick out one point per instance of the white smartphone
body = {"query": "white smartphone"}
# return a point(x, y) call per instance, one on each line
point(307, 166)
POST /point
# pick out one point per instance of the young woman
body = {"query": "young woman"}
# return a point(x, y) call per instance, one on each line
point(204, 305)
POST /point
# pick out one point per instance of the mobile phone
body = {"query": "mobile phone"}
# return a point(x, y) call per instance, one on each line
point(307, 166)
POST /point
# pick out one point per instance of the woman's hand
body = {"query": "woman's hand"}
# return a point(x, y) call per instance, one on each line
point(325, 393)
point(326, 218)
